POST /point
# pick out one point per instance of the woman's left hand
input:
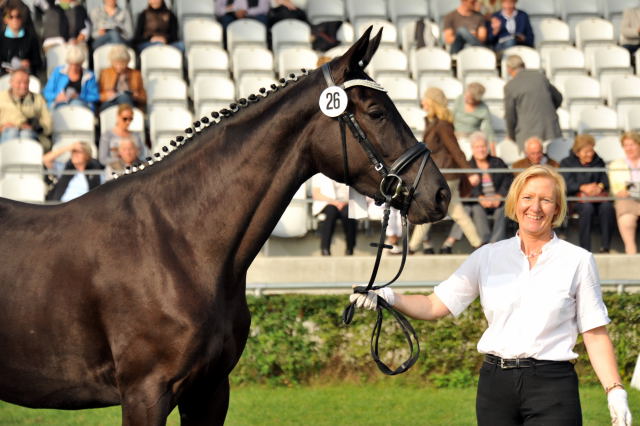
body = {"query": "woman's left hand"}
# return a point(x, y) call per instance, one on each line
point(618, 407)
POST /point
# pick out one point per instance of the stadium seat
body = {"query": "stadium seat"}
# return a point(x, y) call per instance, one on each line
point(624, 93)
point(189, 9)
point(334, 52)
point(34, 83)
point(610, 59)
point(451, 86)
point(294, 221)
point(26, 187)
point(498, 124)
point(508, 151)
point(243, 32)
point(325, 10)
point(290, 33)
point(56, 55)
point(407, 34)
point(207, 60)
point(539, 9)
point(101, 58)
point(73, 121)
point(346, 34)
point(401, 11)
point(389, 31)
point(19, 155)
point(593, 31)
point(530, 57)
point(160, 60)
point(609, 148)
point(108, 120)
point(202, 31)
point(439, 8)
point(559, 149)
point(632, 119)
point(613, 12)
point(251, 60)
point(476, 60)
point(574, 11)
point(166, 91)
point(414, 117)
point(564, 60)
point(581, 89)
point(401, 90)
point(551, 31)
point(597, 120)
point(293, 59)
point(431, 61)
point(215, 91)
point(564, 119)
point(168, 122)
point(388, 61)
point(251, 84)
point(358, 11)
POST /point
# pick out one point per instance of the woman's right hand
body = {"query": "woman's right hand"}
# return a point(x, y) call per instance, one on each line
point(370, 299)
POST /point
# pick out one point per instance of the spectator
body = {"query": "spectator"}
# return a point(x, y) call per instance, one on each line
point(624, 178)
point(128, 155)
point(509, 27)
point(24, 114)
point(156, 25)
point(533, 154)
point(464, 26)
point(19, 45)
point(66, 21)
point(285, 9)
point(25, 12)
point(530, 103)
point(119, 83)
point(487, 7)
point(446, 153)
point(331, 199)
point(110, 24)
point(630, 30)
point(228, 11)
point(71, 84)
point(70, 186)
point(490, 193)
point(589, 184)
point(108, 145)
point(471, 114)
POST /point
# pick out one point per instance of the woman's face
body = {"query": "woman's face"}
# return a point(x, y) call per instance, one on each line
point(585, 154)
point(125, 118)
point(631, 149)
point(155, 4)
point(13, 20)
point(119, 66)
point(536, 207)
point(75, 71)
point(79, 157)
point(479, 149)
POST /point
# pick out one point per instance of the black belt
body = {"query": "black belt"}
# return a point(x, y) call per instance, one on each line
point(506, 364)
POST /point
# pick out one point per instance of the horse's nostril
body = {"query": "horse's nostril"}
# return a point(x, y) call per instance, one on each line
point(442, 198)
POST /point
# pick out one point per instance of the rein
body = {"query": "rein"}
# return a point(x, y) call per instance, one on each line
point(391, 187)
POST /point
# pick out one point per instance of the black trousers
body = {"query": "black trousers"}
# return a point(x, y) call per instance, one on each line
point(605, 213)
point(332, 214)
point(533, 396)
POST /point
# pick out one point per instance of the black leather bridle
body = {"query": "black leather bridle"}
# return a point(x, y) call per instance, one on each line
point(391, 188)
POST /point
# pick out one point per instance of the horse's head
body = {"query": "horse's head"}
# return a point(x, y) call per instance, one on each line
point(383, 158)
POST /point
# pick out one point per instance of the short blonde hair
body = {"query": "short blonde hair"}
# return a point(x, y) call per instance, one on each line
point(534, 171)
point(75, 55)
point(581, 141)
point(634, 136)
point(119, 53)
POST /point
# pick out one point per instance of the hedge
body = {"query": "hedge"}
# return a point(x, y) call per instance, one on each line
point(298, 339)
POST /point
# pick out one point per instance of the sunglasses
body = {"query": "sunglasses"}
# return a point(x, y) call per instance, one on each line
point(14, 17)
point(126, 118)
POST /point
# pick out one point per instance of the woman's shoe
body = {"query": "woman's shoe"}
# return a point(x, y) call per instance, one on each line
point(445, 250)
point(428, 251)
point(326, 252)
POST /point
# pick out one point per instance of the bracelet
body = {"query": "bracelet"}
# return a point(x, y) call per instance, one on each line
point(612, 386)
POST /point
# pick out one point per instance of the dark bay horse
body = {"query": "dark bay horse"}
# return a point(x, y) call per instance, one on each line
point(134, 294)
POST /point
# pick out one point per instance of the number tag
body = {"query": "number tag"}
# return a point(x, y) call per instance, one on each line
point(333, 101)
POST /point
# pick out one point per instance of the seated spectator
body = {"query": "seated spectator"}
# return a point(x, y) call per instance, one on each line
point(109, 139)
point(128, 155)
point(119, 83)
point(156, 25)
point(285, 9)
point(533, 154)
point(25, 12)
point(19, 46)
point(630, 30)
point(331, 199)
point(491, 193)
point(110, 24)
point(66, 21)
point(24, 114)
point(70, 186)
point(624, 178)
point(71, 84)
point(509, 27)
point(227, 11)
point(589, 184)
point(471, 114)
point(488, 7)
point(464, 26)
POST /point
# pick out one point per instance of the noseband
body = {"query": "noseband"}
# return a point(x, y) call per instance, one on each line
point(391, 188)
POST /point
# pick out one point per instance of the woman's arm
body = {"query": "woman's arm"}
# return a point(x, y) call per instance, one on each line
point(420, 307)
point(602, 356)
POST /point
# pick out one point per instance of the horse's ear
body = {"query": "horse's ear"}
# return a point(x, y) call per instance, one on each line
point(359, 55)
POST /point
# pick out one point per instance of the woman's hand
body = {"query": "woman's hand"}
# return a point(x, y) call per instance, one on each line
point(370, 299)
point(619, 407)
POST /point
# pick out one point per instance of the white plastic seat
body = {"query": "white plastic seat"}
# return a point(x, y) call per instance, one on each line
point(476, 60)
point(56, 55)
point(101, 58)
point(431, 61)
point(529, 56)
point(290, 33)
point(439, 8)
point(615, 8)
point(209, 60)
point(559, 149)
point(451, 86)
point(407, 34)
point(508, 151)
point(21, 155)
point(632, 119)
point(581, 89)
point(610, 59)
point(34, 83)
point(215, 91)
point(609, 148)
point(325, 10)
point(539, 8)
point(389, 61)
point(251, 84)
point(168, 122)
point(414, 117)
point(160, 60)
point(293, 59)
point(564, 119)
point(188, 9)
point(358, 10)
point(551, 31)
point(498, 123)
point(565, 60)
point(26, 187)
point(166, 90)
point(401, 90)
point(624, 89)
point(598, 120)
point(251, 59)
point(574, 11)
point(294, 221)
point(73, 121)
point(202, 31)
point(346, 34)
point(336, 51)
point(593, 31)
point(246, 32)
point(389, 31)
point(401, 11)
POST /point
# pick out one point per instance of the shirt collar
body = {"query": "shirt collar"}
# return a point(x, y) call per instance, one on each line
point(8, 33)
point(546, 247)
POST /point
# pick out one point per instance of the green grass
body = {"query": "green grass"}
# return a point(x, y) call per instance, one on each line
point(379, 404)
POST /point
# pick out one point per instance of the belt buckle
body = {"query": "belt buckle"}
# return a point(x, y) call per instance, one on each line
point(508, 367)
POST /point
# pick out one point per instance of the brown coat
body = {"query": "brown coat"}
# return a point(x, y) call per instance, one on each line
point(109, 79)
point(445, 151)
point(523, 163)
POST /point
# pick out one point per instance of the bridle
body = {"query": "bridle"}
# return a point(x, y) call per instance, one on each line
point(391, 188)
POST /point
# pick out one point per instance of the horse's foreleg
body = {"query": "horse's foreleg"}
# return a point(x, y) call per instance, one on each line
point(141, 407)
point(205, 404)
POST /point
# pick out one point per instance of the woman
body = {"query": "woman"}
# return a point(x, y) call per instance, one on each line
point(157, 24)
point(110, 24)
point(109, 140)
point(589, 184)
point(66, 21)
point(471, 114)
point(19, 47)
point(509, 27)
point(70, 186)
point(331, 199)
point(624, 178)
point(446, 153)
point(71, 84)
point(537, 292)
point(119, 83)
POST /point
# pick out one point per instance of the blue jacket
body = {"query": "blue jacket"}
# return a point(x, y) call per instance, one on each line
point(523, 26)
point(59, 79)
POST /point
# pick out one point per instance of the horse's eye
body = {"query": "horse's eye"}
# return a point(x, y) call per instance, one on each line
point(376, 114)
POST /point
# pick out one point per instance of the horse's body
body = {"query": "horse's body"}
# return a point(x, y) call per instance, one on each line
point(134, 293)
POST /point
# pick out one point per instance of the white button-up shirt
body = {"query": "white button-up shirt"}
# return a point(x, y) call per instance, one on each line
point(534, 312)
